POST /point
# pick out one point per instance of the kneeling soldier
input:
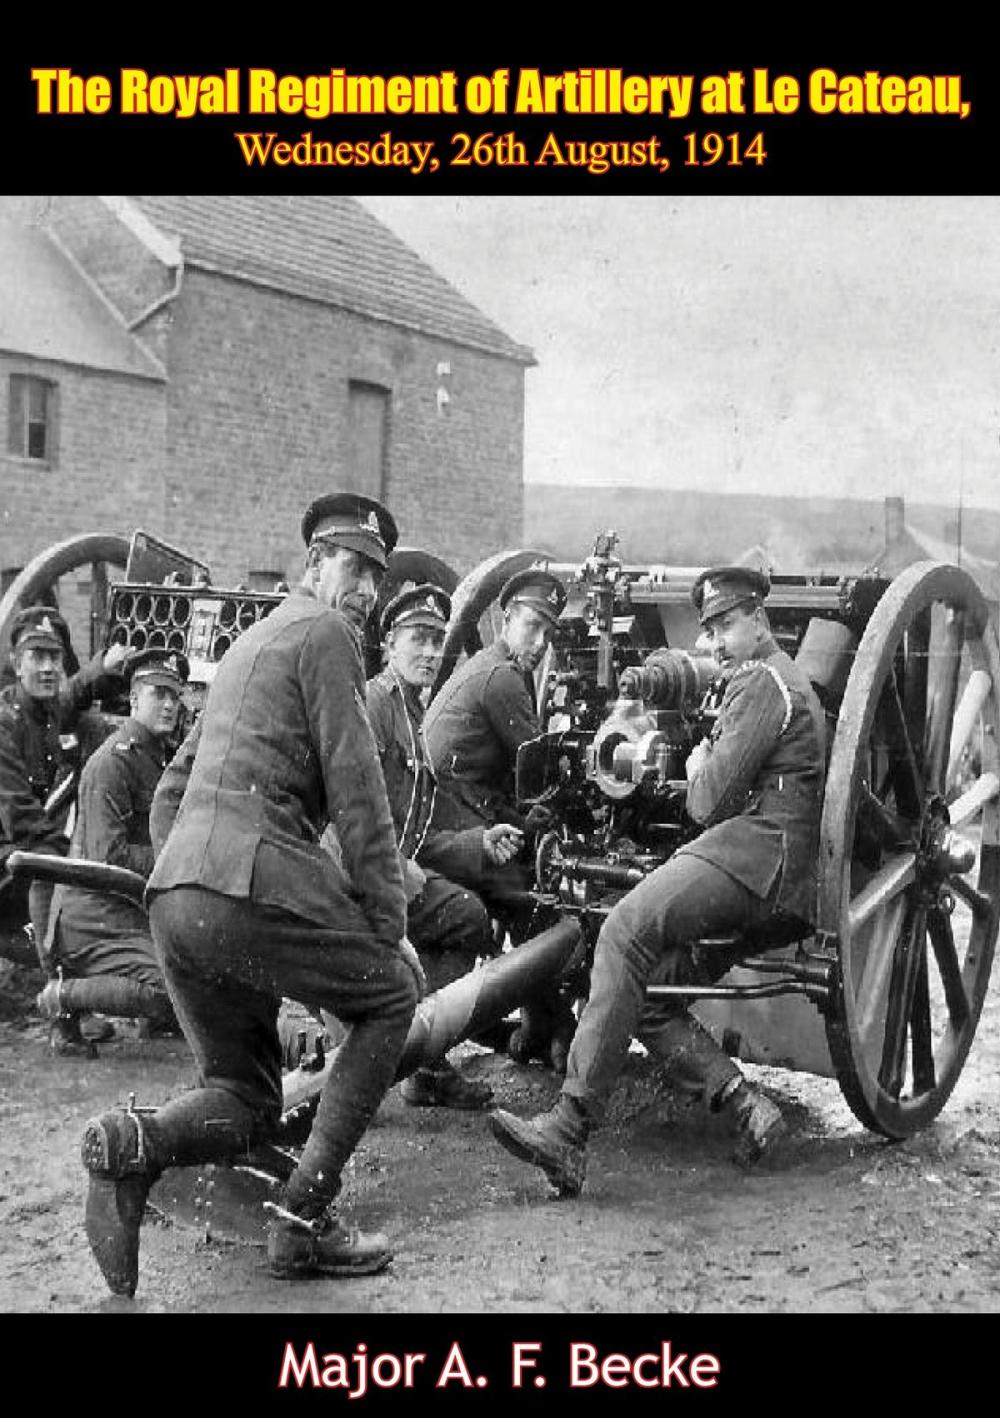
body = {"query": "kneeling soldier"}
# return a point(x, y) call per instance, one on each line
point(756, 787)
point(246, 907)
point(100, 943)
point(446, 921)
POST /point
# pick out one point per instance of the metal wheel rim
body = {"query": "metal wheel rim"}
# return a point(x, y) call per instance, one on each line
point(868, 1070)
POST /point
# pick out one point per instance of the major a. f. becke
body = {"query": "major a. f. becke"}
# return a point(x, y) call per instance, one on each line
point(357, 1372)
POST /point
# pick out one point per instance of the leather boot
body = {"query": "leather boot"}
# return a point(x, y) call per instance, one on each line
point(555, 1141)
point(759, 1124)
point(65, 1036)
point(116, 1153)
point(444, 1087)
point(319, 1243)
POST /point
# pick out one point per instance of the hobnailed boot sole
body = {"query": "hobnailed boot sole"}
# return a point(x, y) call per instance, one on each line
point(563, 1164)
point(116, 1201)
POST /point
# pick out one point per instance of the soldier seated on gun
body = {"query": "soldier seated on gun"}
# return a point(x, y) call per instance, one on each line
point(474, 727)
point(41, 753)
point(100, 944)
point(756, 787)
point(446, 921)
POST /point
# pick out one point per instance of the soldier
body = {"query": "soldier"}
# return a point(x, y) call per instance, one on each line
point(40, 750)
point(755, 786)
point(101, 943)
point(246, 906)
point(446, 921)
point(474, 727)
point(486, 710)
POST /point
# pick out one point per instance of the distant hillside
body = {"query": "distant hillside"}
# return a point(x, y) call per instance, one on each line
point(698, 528)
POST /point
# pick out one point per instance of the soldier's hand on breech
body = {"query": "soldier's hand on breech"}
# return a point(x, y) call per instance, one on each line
point(502, 843)
point(412, 959)
point(696, 758)
point(114, 657)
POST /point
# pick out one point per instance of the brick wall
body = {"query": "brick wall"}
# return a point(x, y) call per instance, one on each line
point(258, 406)
point(108, 474)
point(253, 423)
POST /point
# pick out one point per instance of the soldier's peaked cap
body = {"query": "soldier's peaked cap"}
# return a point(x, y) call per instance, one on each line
point(720, 588)
point(417, 605)
point(348, 519)
point(537, 588)
point(164, 667)
point(40, 625)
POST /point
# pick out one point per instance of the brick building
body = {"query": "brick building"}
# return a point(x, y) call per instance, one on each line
point(203, 367)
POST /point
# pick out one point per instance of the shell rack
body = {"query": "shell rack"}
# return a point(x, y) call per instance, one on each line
point(200, 622)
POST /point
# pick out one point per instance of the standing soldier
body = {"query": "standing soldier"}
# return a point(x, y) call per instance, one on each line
point(100, 942)
point(755, 786)
point(246, 906)
point(40, 751)
point(446, 921)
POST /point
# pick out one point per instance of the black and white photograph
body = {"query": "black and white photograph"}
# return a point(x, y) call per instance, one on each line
point(499, 780)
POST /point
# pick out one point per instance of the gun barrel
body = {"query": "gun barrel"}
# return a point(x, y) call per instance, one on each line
point(465, 1007)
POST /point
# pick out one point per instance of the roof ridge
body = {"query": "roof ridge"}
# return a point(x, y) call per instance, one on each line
point(327, 247)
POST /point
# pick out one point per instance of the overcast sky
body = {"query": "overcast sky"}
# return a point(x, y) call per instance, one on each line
point(815, 345)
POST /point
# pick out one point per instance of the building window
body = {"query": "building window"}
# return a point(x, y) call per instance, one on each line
point(31, 428)
point(368, 431)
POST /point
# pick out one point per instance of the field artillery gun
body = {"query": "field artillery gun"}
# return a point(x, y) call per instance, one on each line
point(886, 992)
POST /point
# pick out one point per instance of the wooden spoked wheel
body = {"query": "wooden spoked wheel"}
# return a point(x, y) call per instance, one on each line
point(910, 853)
point(97, 550)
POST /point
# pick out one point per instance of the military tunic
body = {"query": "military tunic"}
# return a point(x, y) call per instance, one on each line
point(39, 748)
point(42, 744)
point(759, 791)
point(92, 931)
point(284, 744)
point(444, 918)
point(245, 903)
point(474, 727)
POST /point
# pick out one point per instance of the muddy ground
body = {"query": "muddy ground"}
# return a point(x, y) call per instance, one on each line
point(840, 1221)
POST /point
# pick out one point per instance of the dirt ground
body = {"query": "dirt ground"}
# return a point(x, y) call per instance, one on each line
point(840, 1221)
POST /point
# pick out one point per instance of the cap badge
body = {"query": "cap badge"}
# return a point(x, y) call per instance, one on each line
point(554, 596)
point(707, 587)
point(432, 605)
point(46, 625)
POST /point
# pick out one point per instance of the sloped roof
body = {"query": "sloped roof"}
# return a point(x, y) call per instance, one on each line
point(49, 310)
point(330, 249)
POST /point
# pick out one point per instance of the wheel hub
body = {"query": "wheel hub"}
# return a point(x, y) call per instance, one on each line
point(941, 851)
